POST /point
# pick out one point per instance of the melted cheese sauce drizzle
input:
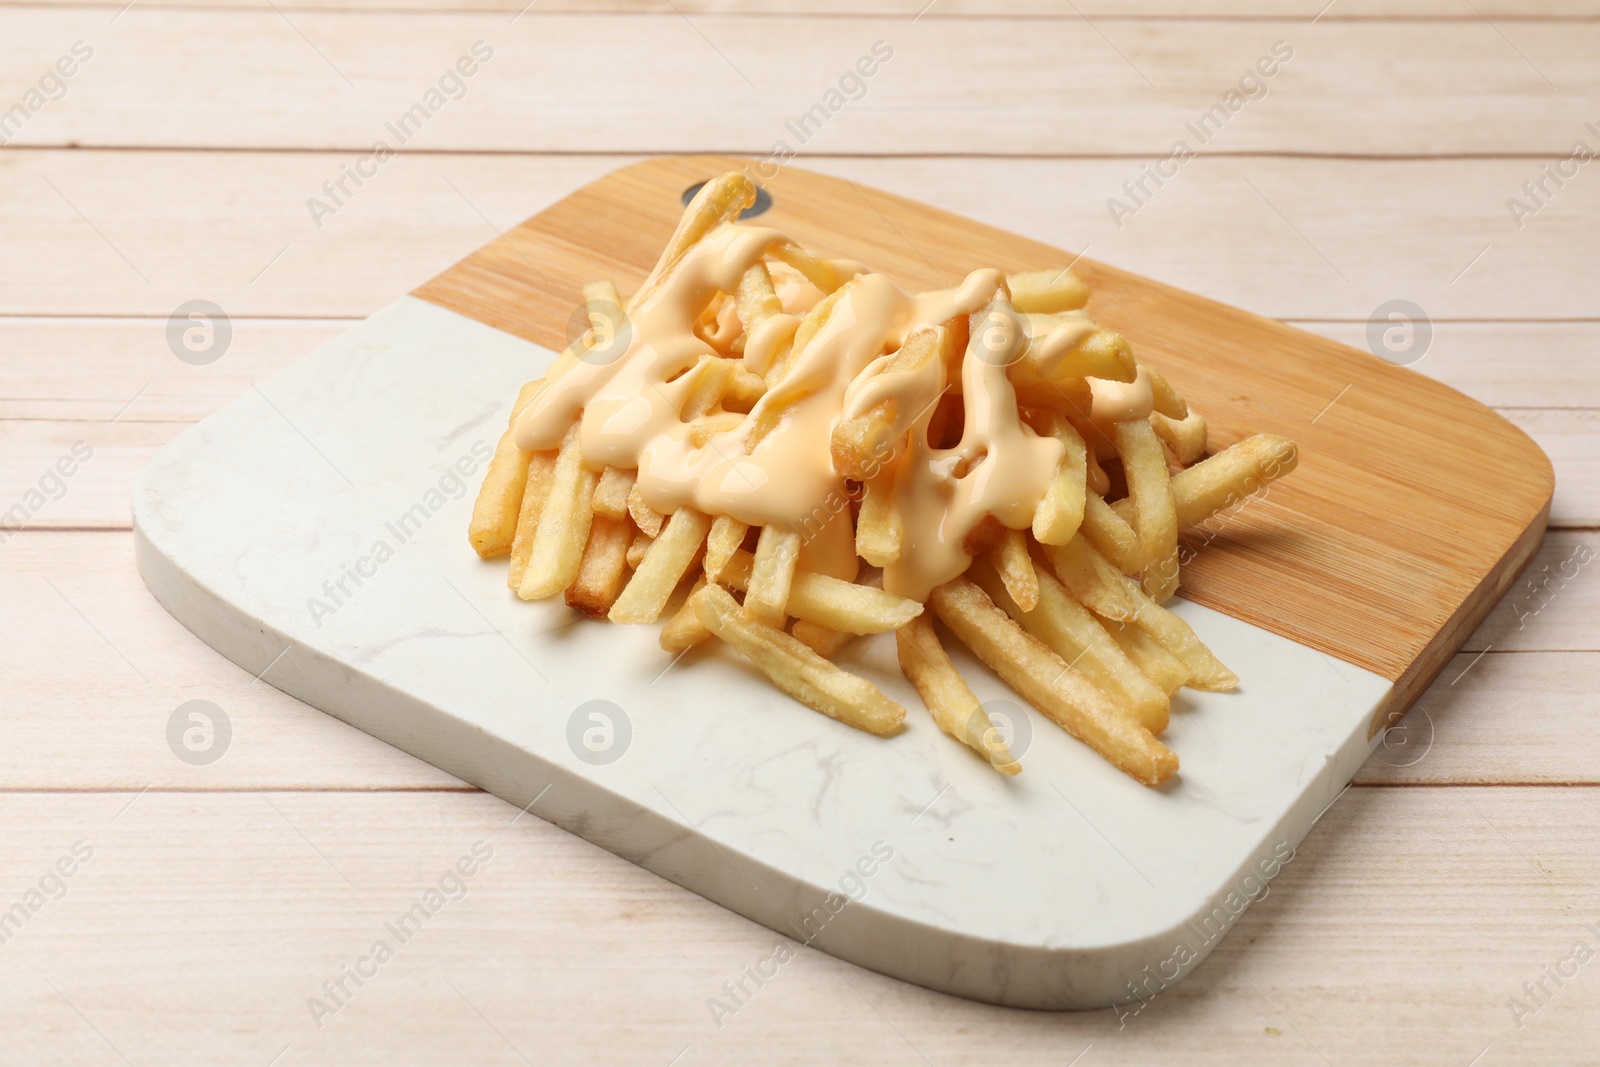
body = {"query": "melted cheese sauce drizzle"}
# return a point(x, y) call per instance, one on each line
point(775, 465)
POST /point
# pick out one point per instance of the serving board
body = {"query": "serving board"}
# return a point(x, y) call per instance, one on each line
point(314, 530)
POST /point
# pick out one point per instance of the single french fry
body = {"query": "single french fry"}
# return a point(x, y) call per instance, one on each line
point(685, 630)
point(1046, 681)
point(709, 381)
point(745, 387)
point(563, 530)
point(1064, 354)
point(796, 669)
point(647, 518)
point(541, 466)
point(1046, 291)
point(954, 707)
point(1111, 535)
point(820, 271)
point(823, 640)
point(777, 555)
point(1154, 515)
point(645, 596)
point(1166, 671)
point(726, 538)
point(637, 548)
point(611, 494)
point(603, 571)
point(785, 361)
point(1075, 635)
point(1176, 636)
point(756, 299)
point(1165, 398)
point(1159, 580)
point(494, 513)
point(1091, 580)
point(720, 200)
point(863, 444)
point(1185, 438)
point(1060, 513)
point(1012, 563)
point(1227, 478)
point(849, 607)
point(878, 532)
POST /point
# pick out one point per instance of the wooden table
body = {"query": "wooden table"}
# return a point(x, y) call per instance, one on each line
point(207, 904)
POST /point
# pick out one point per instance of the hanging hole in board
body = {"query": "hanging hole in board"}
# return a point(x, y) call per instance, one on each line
point(763, 200)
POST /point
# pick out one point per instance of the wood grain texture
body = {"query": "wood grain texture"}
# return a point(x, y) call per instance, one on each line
point(1416, 230)
point(1051, 10)
point(1411, 512)
point(558, 953)
point(255, 78)
point(1395, 937)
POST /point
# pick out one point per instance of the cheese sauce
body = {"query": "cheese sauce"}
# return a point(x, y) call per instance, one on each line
point(775, 465)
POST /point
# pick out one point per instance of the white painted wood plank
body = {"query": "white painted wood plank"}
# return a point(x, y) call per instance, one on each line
point(201, 925)
point(258, 78)
point(234, 228)
point(1099, 10)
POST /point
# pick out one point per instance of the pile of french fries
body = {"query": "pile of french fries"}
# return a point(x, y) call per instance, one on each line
point(1067, 612)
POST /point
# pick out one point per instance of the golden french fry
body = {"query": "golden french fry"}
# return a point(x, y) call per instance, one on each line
point(494, 513)
point(796, 669)
point(1159, 580)
point(1166, 400)
point(823, 640)
point(954, 707)
point(849, 607)
point(541, 465)
point(647, 518)
point(564, 521)
point(637, 548)
point(611, 494)
point(1091, 580)
point(685, 630)
point(645, 596)
point(818, 270)
point(756, 298)
point(1176, 636)
point(1184, 438)
point(863, 444)
point(1046, 291)
point(1111, 535)
point(878, 529)
point(1075, 635)
point(767, 595)
point(1144, 464)
point(726, 538)
point(1064, 355)
point(1166, 671)
point(1227, 478)
point(745, 387)
point(603, 570)
point(1046, 681)
point(1060, 513)
point(720, 200)
point(1014, 566)
point(709, 380)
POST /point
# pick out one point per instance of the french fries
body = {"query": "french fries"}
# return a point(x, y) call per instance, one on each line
point(949, 699)
point(1050, 684)
point(796, 669)
point(1064, 603)
point(495, 512)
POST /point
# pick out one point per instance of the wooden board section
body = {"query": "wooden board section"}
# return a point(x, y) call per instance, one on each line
point(1411, 512)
